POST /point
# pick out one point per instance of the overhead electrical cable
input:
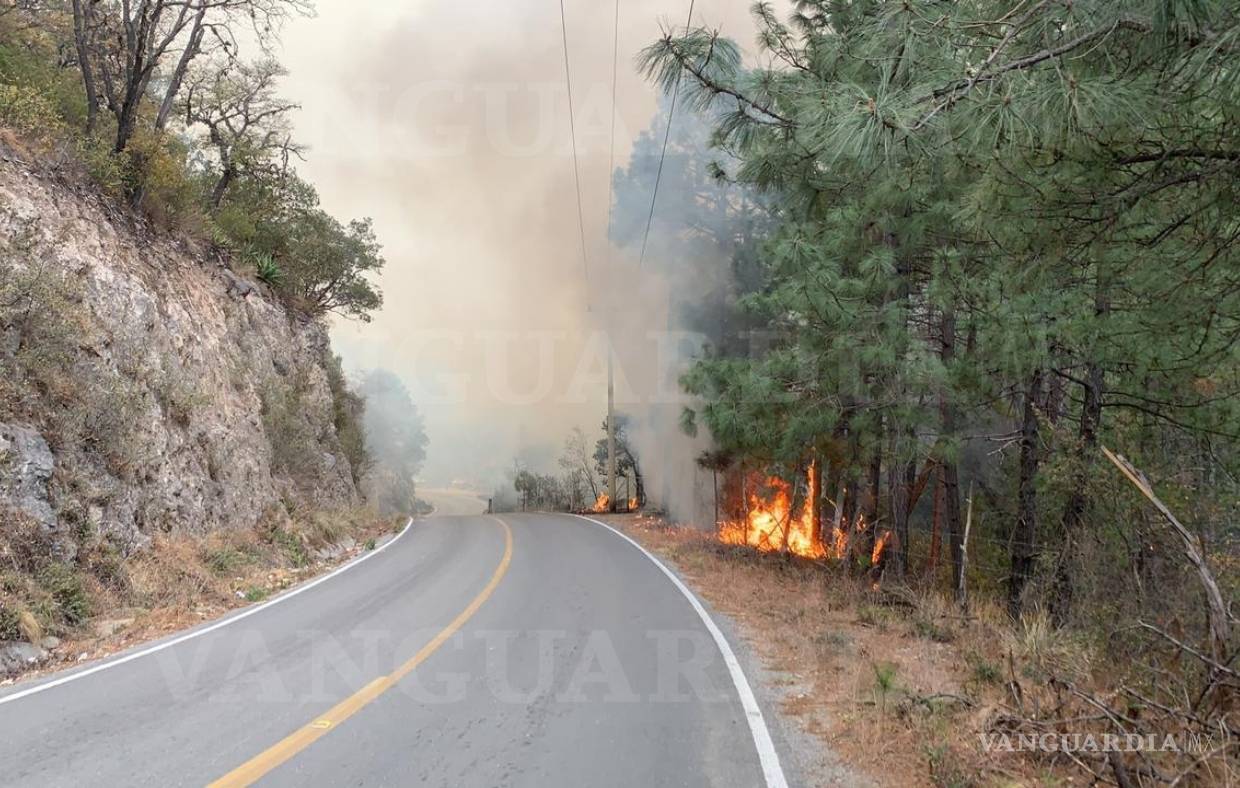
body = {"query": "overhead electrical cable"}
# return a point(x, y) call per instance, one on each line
point(667, 135)
point(572, 124)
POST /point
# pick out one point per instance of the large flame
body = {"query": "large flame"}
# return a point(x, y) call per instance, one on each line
point(769, 523)
point(603, 504)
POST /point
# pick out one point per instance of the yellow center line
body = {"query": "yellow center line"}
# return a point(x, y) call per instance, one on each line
point(254, 769)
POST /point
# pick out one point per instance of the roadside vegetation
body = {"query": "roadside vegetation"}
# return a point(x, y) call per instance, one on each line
point(169, 114)
point(156, 104)
point(983, 245)
point(101, 601)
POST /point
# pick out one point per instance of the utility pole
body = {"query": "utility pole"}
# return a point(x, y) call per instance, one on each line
point(611, 429)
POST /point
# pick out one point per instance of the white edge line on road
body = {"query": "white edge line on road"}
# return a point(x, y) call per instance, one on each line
point(769, 758)
point(205, 630)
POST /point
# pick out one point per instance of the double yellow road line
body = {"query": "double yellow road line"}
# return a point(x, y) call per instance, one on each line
point(254, 769)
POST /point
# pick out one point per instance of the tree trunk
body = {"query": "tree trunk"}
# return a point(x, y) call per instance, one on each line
point(814, 502)
point(1024, 537)
point(900, 481)
point(81, 33)
point(221, 186)
point(192, 46)
point(1077, 504)
point(948, 473)
point(875, 483)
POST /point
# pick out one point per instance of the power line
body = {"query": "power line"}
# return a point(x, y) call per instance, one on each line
point(611, 153)
point(667, 135)
point(572, 124)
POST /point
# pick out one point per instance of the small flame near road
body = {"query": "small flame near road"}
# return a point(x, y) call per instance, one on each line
point(603, 504)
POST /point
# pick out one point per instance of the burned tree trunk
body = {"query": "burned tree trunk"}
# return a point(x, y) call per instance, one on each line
point(1025, 535)
point(874, 481)
point(899, 483)
point(948, 474)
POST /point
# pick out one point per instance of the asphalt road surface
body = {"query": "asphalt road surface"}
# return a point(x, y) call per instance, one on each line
point(450, 500)
point(527, 650)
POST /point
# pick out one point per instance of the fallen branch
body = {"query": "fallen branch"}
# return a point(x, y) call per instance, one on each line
point(1216, 609)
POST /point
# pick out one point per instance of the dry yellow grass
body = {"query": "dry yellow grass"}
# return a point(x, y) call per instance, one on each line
point(901, 685)
point(182, 580)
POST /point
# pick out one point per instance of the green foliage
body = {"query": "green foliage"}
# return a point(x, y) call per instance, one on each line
point(884, 681)
point(327, 265)
point(291, 545)
point(314, 262)
point(26, 110)
point(349, 412)
point(290, 432)
point(268, 270)
point(396, 439)
point(9, 627)
point(68, 592)
point(944, 224)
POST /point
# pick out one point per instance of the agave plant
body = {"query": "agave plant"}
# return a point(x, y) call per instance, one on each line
point(268, 270)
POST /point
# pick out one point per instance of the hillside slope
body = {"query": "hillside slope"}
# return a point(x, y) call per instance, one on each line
point(144, 387)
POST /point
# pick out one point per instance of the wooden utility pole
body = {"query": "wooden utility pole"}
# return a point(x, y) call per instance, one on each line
point(611, 429)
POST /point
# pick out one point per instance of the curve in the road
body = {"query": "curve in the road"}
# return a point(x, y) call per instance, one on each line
point(772, 771)
point(579, 668)
point(257, 767)
point(199, 631)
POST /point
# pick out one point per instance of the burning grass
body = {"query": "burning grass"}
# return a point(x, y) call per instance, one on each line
point(900, 686)
point(772, 520)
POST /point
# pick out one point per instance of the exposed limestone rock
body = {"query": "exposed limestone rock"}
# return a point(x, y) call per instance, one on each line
point(185, 398)
point(26, 466)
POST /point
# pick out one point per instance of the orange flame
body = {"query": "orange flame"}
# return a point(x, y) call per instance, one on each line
point(770, 525)
point(603, 504)
point(632, 504)
point(880, 544)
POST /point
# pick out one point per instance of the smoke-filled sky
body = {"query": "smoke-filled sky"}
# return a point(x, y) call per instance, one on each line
point(449, 125)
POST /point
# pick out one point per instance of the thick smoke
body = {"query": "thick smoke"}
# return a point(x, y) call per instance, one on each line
point(451, 130)
point(701, 242)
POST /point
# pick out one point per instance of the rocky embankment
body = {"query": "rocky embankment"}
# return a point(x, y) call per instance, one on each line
point(145, 388)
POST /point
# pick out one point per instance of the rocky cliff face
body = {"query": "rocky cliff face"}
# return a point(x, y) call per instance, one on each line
point(145, 387)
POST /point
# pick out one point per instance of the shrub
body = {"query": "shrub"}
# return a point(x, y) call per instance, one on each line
point(164, 186)
point(68, 592)
point(349, 412)
point(294, 444)
point(25, 109)
point(291, 546)
point(9, 623)
point(268, 270)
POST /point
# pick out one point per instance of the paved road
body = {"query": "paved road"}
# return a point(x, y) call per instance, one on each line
point(538, 650)
point(450, 500)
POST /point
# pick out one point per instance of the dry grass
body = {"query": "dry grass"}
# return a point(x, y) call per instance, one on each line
point(183, 580)
point(901, 685)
